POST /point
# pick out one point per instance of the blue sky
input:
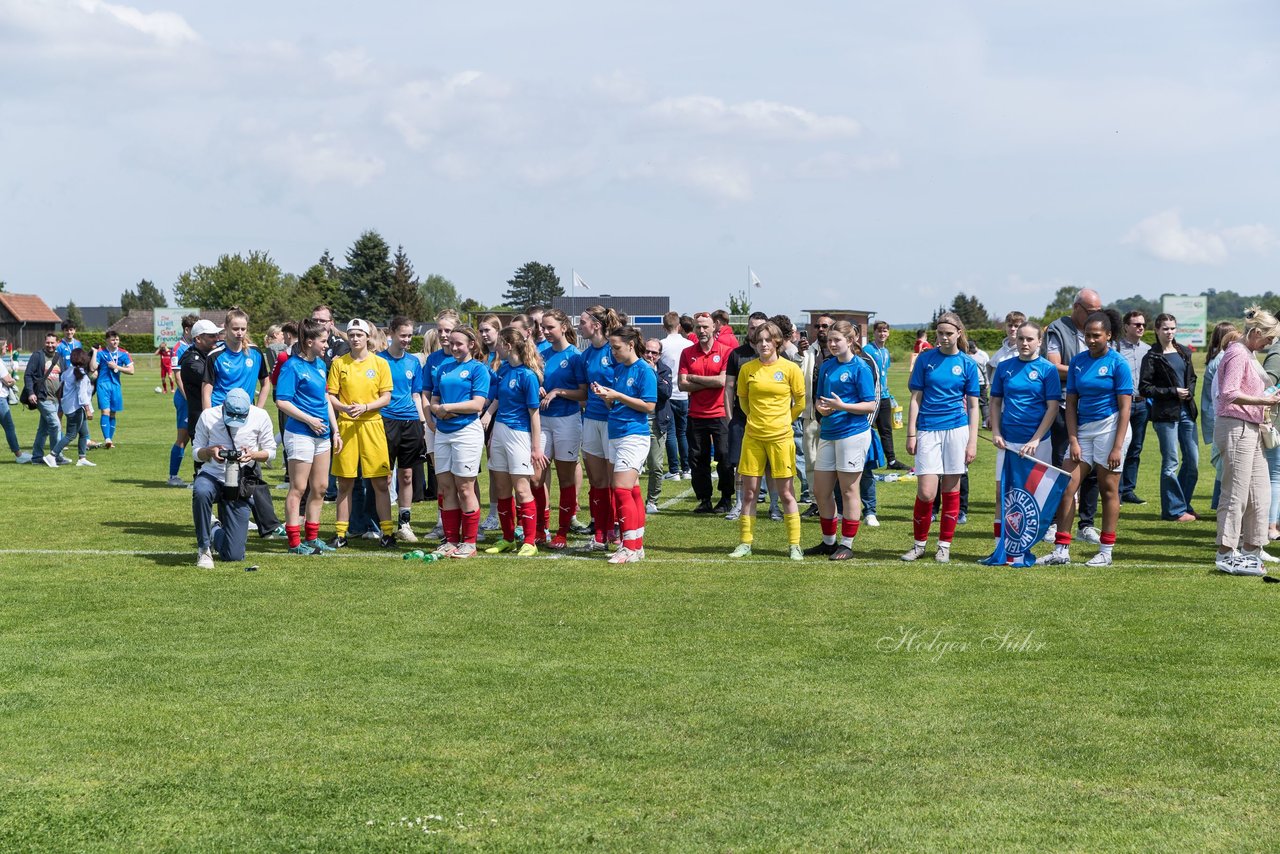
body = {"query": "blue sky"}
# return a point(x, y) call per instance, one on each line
point(865, 155)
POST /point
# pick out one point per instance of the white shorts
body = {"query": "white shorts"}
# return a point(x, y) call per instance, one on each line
point(941, 451)
point(431, 437)
point(1096, 440)
point(305, 448)
point(510, 451)
point(562, 437)
point(1044, 453)
point(458, 453)
point(595, 438)
point(846, 455)
point(629, 453)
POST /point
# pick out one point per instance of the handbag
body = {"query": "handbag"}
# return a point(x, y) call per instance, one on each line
point(1270, 435)
point(250, 477)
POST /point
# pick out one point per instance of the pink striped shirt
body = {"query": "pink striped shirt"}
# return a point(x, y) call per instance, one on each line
point(1239, 374)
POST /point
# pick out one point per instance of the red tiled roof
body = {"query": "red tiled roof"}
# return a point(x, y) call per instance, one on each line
point(29, 308)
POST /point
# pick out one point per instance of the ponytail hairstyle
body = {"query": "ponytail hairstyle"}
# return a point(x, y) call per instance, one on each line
point(962, 340)
point(846, 330)
point(606, 317)
point(473, 341)
point(522, 345)
point(570, 334)
point(630, 335)
point(80, 361)
point(308, 330)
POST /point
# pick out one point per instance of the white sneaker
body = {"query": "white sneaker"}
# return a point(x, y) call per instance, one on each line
point(671, 475)
point(943, 554)
point(50, 460)
point(733, 514)
point(594, 545)
point(624, 555)
point(651, 507)
point(871, 521)
point(84, 461)
point(437, 533)
point(445, 549)
point(1100, 559)
point(204, 559)
point(1090, 535)
point(916, 553)
point(1050, 532)
point(1057, 557)
point(490, 523)
point(1240, 564)
point(405, 534)
point(371, 535)
point(173, 481)
point(686, 475)
point(1264, 556)
point(464, 550)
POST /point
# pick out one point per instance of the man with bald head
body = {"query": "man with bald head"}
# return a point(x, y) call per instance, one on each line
point(1063, 339)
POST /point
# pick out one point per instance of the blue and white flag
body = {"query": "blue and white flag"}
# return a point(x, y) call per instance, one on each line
point(1028, 503)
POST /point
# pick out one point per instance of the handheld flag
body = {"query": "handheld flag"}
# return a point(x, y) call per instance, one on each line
point(1028, 502)
point(755, 280)
point(578, 283)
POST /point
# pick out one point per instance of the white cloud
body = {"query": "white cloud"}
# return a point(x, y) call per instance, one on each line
point(710, 115)
point(720, 179)
point(349, 65)
point(168, 28)
point(89, 28)
point(1163, 236)
point(321, 159)
point(470, 101)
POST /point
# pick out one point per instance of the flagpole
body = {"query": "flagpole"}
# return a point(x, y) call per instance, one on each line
point(1042, 462)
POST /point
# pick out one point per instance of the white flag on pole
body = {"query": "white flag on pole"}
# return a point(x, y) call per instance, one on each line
point(578, 283)
point(755, 280)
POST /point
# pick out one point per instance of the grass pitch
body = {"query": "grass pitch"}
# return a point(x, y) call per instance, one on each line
point(361, 702)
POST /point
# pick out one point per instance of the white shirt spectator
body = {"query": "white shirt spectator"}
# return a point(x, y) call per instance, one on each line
point(672, 346)
point(256, 434)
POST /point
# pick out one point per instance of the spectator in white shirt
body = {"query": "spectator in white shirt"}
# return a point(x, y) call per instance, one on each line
point(677, 439)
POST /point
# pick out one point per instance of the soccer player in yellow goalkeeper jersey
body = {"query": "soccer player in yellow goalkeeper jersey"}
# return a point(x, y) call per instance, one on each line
point(771, 392)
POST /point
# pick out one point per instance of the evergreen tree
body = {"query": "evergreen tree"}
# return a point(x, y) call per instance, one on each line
point(405, 297)
point(146, 297)
point(74, 316)
point(368, 277)
point(324, 281)
point(971, 311)
point(533, 284)
point(437, 293)
point(1063, 299)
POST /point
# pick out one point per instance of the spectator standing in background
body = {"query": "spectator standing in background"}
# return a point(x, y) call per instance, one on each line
point(659, 422)
point(922, 344)
point(702, 374)
point(77, 406)
point(1134, 349)
point(724, 331)
point(166, 369)
point(673, 346)
point(1224, 334)
point(40, 384)
point(878, 349)
point(7, 385)
point(1168, 381)
point(1009, 348)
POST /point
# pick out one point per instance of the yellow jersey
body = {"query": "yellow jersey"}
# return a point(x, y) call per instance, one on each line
point(772, 396)
point(359, 382)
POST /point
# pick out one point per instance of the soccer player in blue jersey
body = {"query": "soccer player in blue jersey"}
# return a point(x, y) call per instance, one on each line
point(595, 325)
point(179, 448)
point(68, 342)
point(460, 393)
point(1025, 393)
point(403, 420)
point(942, 431)
point(309, 436)
point(564, 388)
point(1099, 400)
point(236, 363)
point(515, 449)
point(629, 398)
point(846, 398)
point(109, 363)
point(488, 328)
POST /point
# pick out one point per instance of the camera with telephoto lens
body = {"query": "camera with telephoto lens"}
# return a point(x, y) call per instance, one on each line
point(232, 455)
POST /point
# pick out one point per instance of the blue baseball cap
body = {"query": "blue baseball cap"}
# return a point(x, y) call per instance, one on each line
point(235, 409)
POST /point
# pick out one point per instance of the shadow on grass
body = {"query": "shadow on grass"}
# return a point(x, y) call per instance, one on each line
point(144, 528)
point(145, 484)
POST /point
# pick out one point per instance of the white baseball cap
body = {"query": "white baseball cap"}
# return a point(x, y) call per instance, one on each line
point(358, 325)
point(205, 327)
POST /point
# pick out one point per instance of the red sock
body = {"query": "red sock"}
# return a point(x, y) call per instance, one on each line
point(470, 525)
point(950, 513)
point(295, 535)
point(623, 511)
point(313, 531)
point(849, 527)
point(452, 524)
point(529, 521)
point(1108, 538)
point(996, 527)
point(828, 526)
point(507, 517)
point(639, 516)
point(921, 519)
point(1062, 538)
point(540, 514)
point(605, 518)
point(568, 506)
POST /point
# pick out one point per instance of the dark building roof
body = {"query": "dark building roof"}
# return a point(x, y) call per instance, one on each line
point(95, 316)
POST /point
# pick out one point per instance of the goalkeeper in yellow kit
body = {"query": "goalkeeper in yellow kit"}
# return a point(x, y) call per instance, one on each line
point(771, 392)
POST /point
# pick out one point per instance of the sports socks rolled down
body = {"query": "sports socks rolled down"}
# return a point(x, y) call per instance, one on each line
point(792, 521)
point(1107, 541)
point(849, 530)
point(295, 535)
point(312, 530)
point(746, 529)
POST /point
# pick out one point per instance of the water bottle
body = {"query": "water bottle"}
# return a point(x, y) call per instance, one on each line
point(430, 557)
point(891, 478)
point(416, 554)
point(897, 414)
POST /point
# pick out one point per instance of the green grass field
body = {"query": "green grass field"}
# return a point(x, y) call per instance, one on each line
point(361, 702)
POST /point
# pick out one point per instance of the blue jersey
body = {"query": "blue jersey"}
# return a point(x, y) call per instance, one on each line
point(302, 383)
point(563, 369)
point(944, 381)
point(434, 361)
point(599, 365)
point(882, 360)
point(635, 380)
point(852, 382)
point(458, 382)
point(1024, 389)
point(544, 348)
point(106, 376)
point(1097, 382)
point(178, 350)
point(64, 350)
point(406, 381)
point(496, 368)
point(225, 370)
point(517, 394)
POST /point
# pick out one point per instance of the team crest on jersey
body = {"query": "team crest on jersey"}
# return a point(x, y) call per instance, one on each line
point(1102, 371)
point(957, 370)
point(248, 362)
point(1033, 375)
point(512, 383)
point(604, 360)
point(716, 358)
point(564, 363)
point(408, 373)
point(465, 374)
point(844, 377)
point(371, 373)
point(777, 375)
point(631, 381)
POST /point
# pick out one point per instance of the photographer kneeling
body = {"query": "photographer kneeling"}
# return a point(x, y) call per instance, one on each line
point(230, 440)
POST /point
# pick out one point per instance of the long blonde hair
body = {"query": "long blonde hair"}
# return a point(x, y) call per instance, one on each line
point(524, 348)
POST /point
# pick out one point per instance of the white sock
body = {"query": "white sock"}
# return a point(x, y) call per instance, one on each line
point(847, 542)
point(1105, 549)
point(828, 539)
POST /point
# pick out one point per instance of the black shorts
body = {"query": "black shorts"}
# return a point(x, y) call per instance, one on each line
point(406, 444)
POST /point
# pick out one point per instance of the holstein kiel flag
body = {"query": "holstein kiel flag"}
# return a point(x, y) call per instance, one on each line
point(1028, 503)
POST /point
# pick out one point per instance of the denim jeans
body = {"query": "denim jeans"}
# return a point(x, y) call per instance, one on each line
point(677, 439)
point(1273, 469)
point(1177, 477)
point(1138, 425)
point(233, 533)
point(77, 425)
point(6, 419)
point(47, 428)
